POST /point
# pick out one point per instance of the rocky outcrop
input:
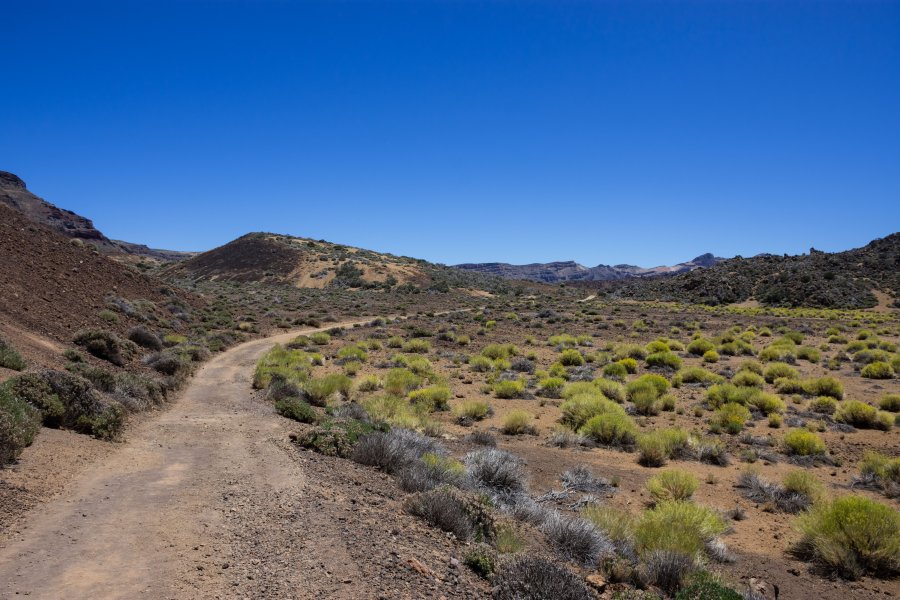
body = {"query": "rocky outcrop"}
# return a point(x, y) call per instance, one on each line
point(15, 194)
point(818, 279)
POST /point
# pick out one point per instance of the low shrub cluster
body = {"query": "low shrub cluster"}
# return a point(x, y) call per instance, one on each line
point(534, 578)
point(508, 389)
point(797, 492)
point(453, 511)
point(862, 415)
point(19, 424)
point(9, 358)
point(107, 346)
point(672, 485)
point(799, 442)
point(852, 536)
point(881, 472)
point(334, 437)
point(67, 400)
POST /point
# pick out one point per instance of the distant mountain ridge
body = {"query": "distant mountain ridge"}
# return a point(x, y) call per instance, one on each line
point(16, 195)
point(556, 272)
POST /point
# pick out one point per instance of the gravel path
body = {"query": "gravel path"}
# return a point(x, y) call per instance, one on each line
point(208, 499)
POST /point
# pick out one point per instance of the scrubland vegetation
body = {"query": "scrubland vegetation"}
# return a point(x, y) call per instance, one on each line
point(716, 419)
point(630, 450)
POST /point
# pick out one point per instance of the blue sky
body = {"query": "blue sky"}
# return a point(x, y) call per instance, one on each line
point(604, 132)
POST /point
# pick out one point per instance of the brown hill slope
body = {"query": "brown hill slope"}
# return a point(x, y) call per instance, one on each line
point(52, 287)
point(15, 194)
point(299, 262)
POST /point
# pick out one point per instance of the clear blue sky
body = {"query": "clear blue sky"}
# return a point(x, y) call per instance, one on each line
point(603, 132)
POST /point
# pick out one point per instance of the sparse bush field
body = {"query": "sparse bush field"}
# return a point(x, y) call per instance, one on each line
point(625, 393)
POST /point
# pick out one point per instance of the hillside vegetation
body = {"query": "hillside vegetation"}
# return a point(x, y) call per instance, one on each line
point(305, 263)
point(818, 279)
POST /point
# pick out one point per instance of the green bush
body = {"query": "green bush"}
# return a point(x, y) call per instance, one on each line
point(731, 417)
point(805, 484)
point(480, 364)
point(495, 351)
point(617, 524)
point(320, 338)
point(509, 389)
point(286, 364)
point(296, 409)
point(736, 347)
point(630, 351)
point(432, 398)
point(852, 535)
point(19, 424)
point(799, 442)
point(396, 411)
point(890, 402)
point(517, 422)
point(666, 360)
point(34, 389)
point(862, 415)
point(672, 485)
point(656, 447)
point(370, 383)
point(551, 387)
point(400, 382)
point(9, 358)
point(333, 437)
point(611, 389)
point(754, 366)
point(107, 346)
point(678, 526)
point(473, 409)
point(710, 356)
point(611, 429)
point(748, 379)
point(615, 371)
point(646, 400)
point(481, 560)
point(700, 346)
point(562, 340)
point(785, 385)
point(571, 358)
point(877, 370)
point(766, 403)
point(696, 375)
point(810, 354)
point(319, 390)
point(578, 388)
point(825, 405)
point(880, 468)
point(725, 393)
point(824, 386)
point(579, 409)
point(630, 364)
point(174, 339)
point(356, 353)
point(657, 382)
point(85, 410)
point(704, 586)
point(653, 451)
point(417, 346)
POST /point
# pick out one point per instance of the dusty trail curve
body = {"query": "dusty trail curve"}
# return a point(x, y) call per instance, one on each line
point(171, 512)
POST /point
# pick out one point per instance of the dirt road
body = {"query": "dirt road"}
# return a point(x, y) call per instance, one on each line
point(204, 500)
